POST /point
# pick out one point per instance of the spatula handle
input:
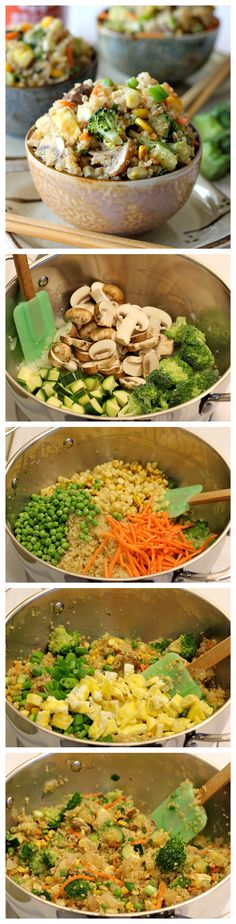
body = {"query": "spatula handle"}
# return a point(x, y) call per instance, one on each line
point(24, 276)
point(214, 785)
point(210, 497)
point(212, 657)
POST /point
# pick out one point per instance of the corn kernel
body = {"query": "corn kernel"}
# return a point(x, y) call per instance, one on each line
point(141, 113)
point(46, 21)
point(144, 125)
point(174, 102)
point(142, 151)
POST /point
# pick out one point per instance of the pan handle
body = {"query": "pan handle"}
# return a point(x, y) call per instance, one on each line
point(181, 576)
point(195, 737)
point(205, 403)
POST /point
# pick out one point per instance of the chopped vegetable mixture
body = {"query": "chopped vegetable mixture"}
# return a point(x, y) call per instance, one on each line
point(45, 53)
point(112, 131)
point(158, 21)
point(96, 689)
point(99, 852)
point(104, 522)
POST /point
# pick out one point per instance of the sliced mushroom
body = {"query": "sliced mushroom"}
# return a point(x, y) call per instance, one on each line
point(87, 329)
point(132, 365)
point(131, 382)
point(165, 346)
point(105, 313)
point(97, 291)
point(90, 367)
point(60, 353)
point(140, 336)
point(129, 319)
point(75, 342)
point(103, 350)
point(114, 293)
point(103, 333)
point(82, 355)
point(79, 295)
point(73, 331)
point(80, 315)
point(159, 320)
point(150, 362)
point(121, 160)
point(149, 344)
point(107, 368)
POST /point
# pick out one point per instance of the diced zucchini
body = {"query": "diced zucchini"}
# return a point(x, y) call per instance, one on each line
point(40, 395)
point(92, 382)
point(32, 380)
point(67, 378)
point(54, 401)
point(44, 372)
point(83, 400)
point(77, 387)
point(97, 393)
point(113, 836)
point(68, 402)
point(48, 389)
point(128, 852)
point(78, 409)
point(93, 407)
point(109, 384)
point(111, 407)
point(54, 374)
point(121, 396)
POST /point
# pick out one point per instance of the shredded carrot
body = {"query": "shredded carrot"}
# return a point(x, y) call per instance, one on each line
point(97, 875)
point(67, 103)
point(12, 35)
point(141, 840)
point(110, 804)
point(160, 895)
point(146, 543)
point(88, 795)
point(70, 56)
point(72, 831)
point(72, 879)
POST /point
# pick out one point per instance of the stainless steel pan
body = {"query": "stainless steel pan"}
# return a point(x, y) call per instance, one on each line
point(176, 283)
point(150, 778)
point(63, 451)
point(148, 613)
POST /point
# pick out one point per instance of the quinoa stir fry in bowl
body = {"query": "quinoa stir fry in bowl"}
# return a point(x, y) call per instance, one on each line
point(100, 852)
point(97, 689)
point(44, 54)
point(159, 20)
point(109, 131)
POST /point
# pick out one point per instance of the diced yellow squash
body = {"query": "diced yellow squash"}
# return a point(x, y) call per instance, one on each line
point(22, 55)
point(34, 699)
point(54, 705)
point(43, 719)
point(62, 721)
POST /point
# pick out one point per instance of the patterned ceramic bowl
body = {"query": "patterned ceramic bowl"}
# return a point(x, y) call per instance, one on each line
point(167, 58)
point(25, 104)
point(128, 207)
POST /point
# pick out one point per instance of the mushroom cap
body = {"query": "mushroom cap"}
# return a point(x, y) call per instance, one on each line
point(131, 382)
point(132, 365)
point(139, 336)
point(130, 318)
point(97, 292)
point(150, 362)
point(114, 293)
point(79, 295)
point(102, 349)
point(158, 318)
point(149, 344)
point(86, 330)
point(82, 355)
point(105, 313)
point(103, 333)
point(165, 346)
point(89, 367)
point(75, 342)
point(60, 352)
point(80, 314)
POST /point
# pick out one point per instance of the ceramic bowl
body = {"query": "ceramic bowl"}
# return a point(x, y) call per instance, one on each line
point(128, 207)
point(169, 58)
point(25, 104)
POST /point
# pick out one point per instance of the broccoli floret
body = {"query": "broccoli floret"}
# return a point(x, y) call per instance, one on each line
point(41, 860)
point(75, 800)
point(144, 400)
point(216, 327)
point(53, 818)
point(185, 645)
point(194, 349)
point(172, 856)
point(214, 128)
point(104, 124)
point(160, 645)
point(172, 371)
point(198, 533)
point(177, 330)
point(42, 893)
point(12, 841)
point(61, 641)
point(26, 852)
point(204, 380)
point(181, 881)
point(181, 393)
point(79, 888)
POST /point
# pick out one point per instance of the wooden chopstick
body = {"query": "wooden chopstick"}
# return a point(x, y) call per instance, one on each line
point(214, 785)
point(210, 658)
point(28, 227)
point(211, 497)
point(196, 96)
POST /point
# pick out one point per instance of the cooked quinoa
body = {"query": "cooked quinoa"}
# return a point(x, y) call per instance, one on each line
point(43, 54)
point(99, 852)
point(97, 689)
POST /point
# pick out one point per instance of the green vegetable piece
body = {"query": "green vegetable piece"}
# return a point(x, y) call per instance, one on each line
point(157, 92)
point(172, 856)
point(132, 82)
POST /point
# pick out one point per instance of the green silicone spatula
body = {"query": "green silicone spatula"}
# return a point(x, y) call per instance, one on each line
point(33, 317)
point(182, 814)
point(178, 500)
point(179, 678)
